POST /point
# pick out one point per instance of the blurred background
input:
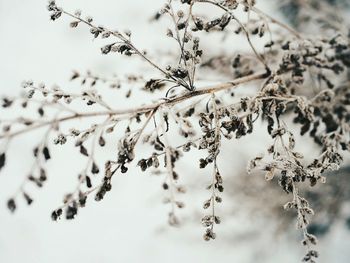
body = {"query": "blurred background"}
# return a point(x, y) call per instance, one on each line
point(130, 225)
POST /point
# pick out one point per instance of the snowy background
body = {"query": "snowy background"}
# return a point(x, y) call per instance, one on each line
point(130, 225)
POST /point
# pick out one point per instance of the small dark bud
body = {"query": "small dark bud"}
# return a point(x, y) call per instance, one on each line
point(43, 176)
point(217, 220)
point(11, 205)
point(123, 169)
point(28, 199)
point(175, 176)
point(202, 163)
point(95, 169)
point(207, 204)
point(35, 151)
point(71, 212)
point(46, 153)
point(83, 150)
point(106, 49)
point(313, 181)
point(82, 199)
point(88, 182)
point(75, 75)
point(220, 188)
point(143, 164)
point(101, 141)
point(218, 199)
point(2, 160)
point(56, 214)
point(181, 26)
point(74, 24)
point(165, 186)
point(41, 112)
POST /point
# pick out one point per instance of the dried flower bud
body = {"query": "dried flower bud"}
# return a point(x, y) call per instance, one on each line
point(11, 205)
point(46, 153)
point(101, 141)
point(83, 150)
point(2, 160)
point(94, 168)
point(28, 199)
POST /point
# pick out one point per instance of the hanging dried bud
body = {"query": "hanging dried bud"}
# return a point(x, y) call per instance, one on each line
point(143, 164)
point(207, 204)
point(165, 186)
point(71, 212)
point(106, 49)
point(74, 24)
point(46, 153)
point(42, 176)
point(88, 182)
point(2, 160)
point(225, 20)
point(123, 169)
point(28, 199)
point(101, 141)
point(54, 215)
point(95, 169)
point(11, 205)
point(83, 150)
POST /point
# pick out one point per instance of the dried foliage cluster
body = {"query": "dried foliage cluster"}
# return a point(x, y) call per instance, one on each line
point(329, 200)
point(297, 76)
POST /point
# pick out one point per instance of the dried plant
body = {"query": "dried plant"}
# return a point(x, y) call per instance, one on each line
point(329, 201)
point(297, 76)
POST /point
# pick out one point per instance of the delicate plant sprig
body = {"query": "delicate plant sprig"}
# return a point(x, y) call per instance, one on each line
point(282, 93)
point(211, 141)
point(124, 47)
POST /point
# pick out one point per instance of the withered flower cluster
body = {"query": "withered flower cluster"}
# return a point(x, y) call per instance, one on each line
point(297, 77)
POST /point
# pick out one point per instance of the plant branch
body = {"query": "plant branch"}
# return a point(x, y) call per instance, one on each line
point(143, 109)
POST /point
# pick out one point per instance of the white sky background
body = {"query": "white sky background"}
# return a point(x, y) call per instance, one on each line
point(129, 225)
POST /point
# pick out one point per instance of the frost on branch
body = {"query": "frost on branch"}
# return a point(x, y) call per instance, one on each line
point(298, 78)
